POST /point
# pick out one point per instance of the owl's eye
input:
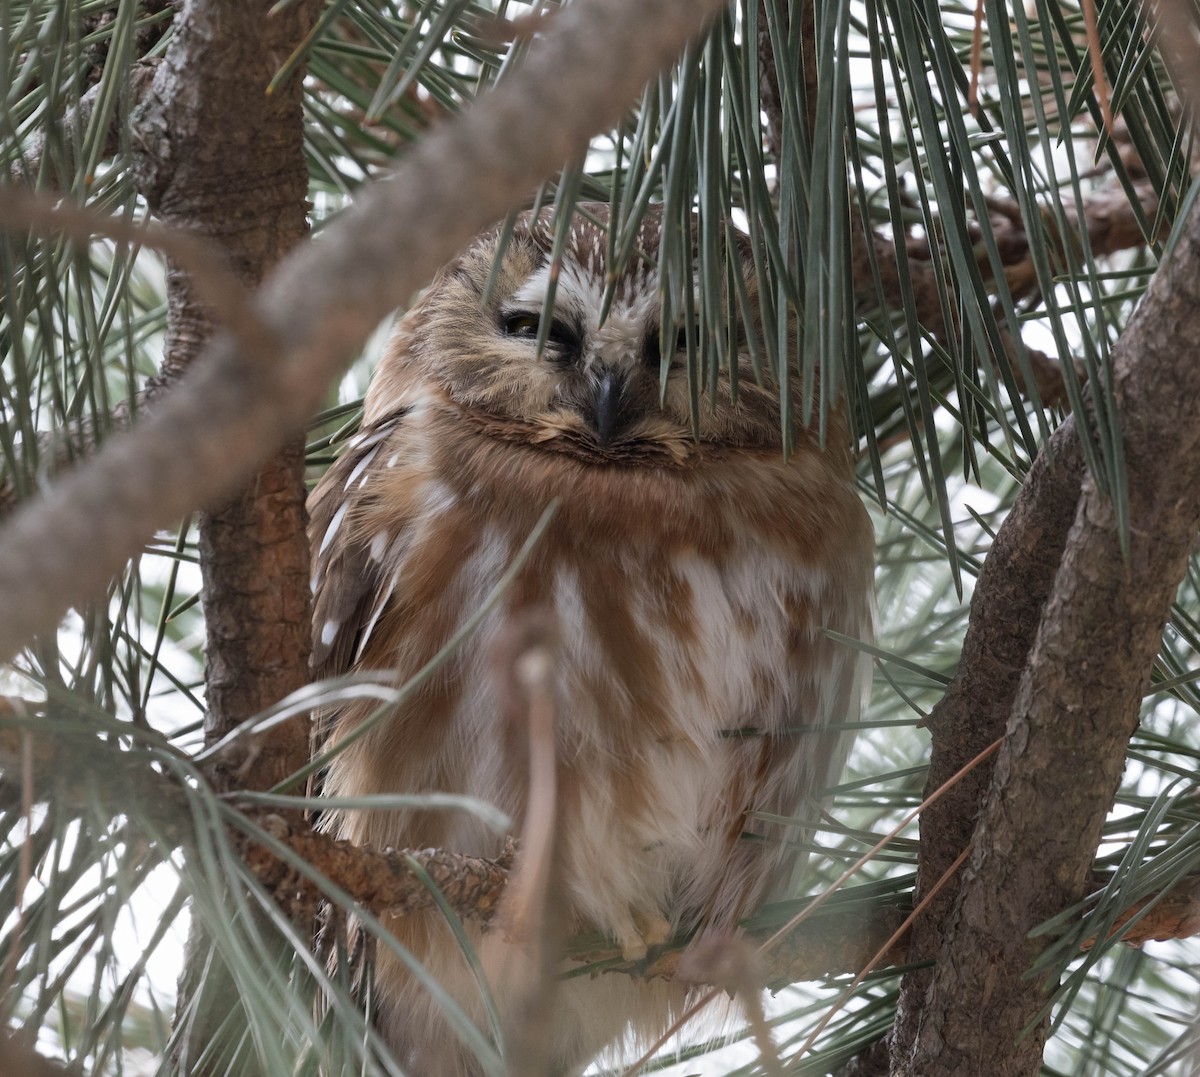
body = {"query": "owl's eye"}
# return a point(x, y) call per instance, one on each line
point(521, 325)
point(526, 326)
point(652, 350)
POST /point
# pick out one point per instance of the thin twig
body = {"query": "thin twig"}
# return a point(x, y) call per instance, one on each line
point(530, 923)
point(883, 951)
point(1096, 53)
point(976, 58)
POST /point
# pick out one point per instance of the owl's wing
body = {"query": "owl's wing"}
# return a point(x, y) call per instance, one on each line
point(347, 582)
point(833, 679)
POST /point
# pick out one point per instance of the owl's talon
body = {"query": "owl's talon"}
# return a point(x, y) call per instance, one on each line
point(643, 940)
point(633, 948)
point(655, 930)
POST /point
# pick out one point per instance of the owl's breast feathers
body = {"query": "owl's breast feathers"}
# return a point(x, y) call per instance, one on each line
point(692, 669)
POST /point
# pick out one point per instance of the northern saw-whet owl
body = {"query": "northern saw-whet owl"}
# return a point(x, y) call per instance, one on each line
point(688, 577)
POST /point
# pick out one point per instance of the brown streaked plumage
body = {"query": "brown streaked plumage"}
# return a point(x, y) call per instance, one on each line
point(688, 580)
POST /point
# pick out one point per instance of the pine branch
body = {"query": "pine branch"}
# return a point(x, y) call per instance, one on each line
point(205, 264)
point(1110, 221)
point(383, 882)
point(78, 118)
point(836, 940)
point(70, 772)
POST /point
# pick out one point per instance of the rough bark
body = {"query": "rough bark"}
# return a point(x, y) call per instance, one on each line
point(1006, 607)
point(1076, 704)
point(221, 158)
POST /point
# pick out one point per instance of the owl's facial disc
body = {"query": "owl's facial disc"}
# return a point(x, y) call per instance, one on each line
point(605, 378)
point(602, 378)
point(562, 354)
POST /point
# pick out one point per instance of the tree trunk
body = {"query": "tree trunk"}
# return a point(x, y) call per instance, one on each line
point(223, 158)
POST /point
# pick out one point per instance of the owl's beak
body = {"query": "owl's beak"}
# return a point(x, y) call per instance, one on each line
point(612, 407)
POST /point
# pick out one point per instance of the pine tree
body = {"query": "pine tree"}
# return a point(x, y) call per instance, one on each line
point(981, 219)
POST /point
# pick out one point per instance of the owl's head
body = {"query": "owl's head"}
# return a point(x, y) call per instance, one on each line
point(595, 389)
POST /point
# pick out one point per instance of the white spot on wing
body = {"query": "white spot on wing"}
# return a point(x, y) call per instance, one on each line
point(439, 498)
point(361, 466)
point(329, 631)
point(334, 524)
point(378, 545)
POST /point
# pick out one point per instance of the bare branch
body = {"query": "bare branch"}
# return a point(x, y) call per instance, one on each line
point(76, 120)
point(324, 300)
point(1005, 609)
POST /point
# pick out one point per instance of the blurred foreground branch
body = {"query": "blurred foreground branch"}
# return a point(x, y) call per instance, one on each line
point(232, 410)
point(20, 1060)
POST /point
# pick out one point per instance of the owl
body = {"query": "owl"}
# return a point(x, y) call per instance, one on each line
point(689, 575)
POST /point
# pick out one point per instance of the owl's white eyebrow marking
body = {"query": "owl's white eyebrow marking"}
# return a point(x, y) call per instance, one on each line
point(334, 524)
point(576, 295)
point(329, 631)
